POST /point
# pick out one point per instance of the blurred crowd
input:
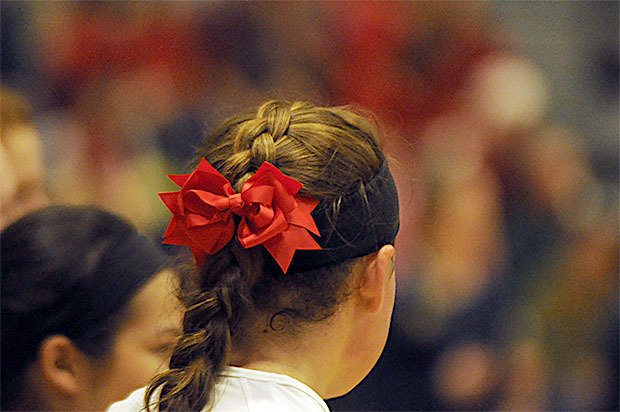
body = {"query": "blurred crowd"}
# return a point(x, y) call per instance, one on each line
point(508, 251)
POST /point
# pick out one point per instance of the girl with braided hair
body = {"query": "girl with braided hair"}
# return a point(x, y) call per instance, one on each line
point(291, 215)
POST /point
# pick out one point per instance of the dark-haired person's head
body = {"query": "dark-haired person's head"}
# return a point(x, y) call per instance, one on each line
point(88, 310)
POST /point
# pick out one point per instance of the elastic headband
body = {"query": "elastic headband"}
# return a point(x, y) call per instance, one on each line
point(364, 221)
point(297, 231)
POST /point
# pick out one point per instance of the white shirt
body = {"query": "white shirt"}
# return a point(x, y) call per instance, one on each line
point(247, 390)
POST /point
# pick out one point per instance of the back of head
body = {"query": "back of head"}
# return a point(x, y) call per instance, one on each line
point(335, 154)
point(67, 270)
point(330, 150)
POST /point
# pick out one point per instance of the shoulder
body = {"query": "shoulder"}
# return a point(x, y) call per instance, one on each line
point(133, 403)
point(245, 390)
point(256, 391)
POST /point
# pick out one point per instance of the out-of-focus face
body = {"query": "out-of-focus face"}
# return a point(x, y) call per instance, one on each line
point(22, 170)
point(143, 344)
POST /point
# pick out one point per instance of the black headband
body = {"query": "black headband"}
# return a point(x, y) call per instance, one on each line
point(364, 221)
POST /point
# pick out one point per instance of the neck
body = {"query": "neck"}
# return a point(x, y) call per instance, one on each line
point(39, 395)
point(316, 355)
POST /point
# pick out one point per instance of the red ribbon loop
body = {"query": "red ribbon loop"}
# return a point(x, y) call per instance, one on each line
point(271, 213)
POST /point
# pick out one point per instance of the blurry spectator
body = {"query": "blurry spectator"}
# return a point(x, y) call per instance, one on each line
point(21, 159)
point(121, 72)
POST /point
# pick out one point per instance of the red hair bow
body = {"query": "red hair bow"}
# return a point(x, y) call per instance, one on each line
point(271, 213)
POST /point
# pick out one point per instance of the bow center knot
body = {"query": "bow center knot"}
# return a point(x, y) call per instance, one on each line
point(235, 202)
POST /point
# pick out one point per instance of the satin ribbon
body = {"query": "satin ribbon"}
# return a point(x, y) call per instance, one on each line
point(271, 213)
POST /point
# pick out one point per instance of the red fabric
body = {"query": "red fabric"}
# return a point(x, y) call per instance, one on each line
point(271, 213)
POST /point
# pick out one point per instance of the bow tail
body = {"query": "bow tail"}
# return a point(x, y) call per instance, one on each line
point(175, 233)
point(199, 255)
point(202, 240)
point(283, 246)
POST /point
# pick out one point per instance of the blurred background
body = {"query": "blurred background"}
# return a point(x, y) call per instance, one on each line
point(501, 119)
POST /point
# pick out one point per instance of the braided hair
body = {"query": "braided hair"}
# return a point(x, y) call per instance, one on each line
point(332, 151)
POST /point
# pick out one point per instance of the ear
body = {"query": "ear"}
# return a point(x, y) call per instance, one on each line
point(375, 279)
point(59, 362)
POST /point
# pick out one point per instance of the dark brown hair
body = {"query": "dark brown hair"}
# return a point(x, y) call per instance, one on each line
point(332, 151)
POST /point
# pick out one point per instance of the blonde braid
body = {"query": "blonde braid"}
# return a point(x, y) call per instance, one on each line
point(257, 140)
